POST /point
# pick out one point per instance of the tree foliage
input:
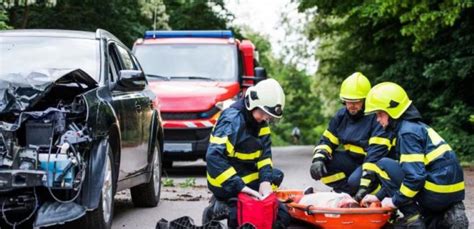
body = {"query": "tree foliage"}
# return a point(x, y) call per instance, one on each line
point(301, 106)
point(127, 19)
point(425, 46)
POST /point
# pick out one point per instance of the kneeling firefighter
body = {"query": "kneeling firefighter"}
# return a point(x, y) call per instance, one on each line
point(239, 157)
point(426, 183)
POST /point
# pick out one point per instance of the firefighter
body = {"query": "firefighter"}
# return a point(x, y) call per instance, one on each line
point(363, 140)
point(427, 183)
point(239, 157)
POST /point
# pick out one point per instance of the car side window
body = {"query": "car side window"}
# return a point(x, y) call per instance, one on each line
point(127, 61)
point(114, 65)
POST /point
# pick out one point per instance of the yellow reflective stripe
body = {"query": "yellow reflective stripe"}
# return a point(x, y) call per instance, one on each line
point(251, 177)
point(264, 162)
point(264, 131)
point(222, 177)
point(376, 169)
point(380, 141)
point(450, 188)
point(354, 149)
point(319, 155)
point(274, 187)
point(407, 191)
point(218, 140)
point(333, 178)
point(247, 156)
point(364, 182)
point(435, 138)
point(229, 147)
point(325, 147)
point(436, 153)
point(331, 137)
point(412, 158)
point(394, 141)
point(376, 190)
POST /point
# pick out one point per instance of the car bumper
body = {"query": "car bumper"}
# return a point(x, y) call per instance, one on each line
point(183, 144)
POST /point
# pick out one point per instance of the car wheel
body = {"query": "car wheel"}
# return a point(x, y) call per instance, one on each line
point(148, 194)
point(101, 217)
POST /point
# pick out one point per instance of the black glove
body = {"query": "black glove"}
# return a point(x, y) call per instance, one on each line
point(321, 154)
point(361, 193)
point(318, 169)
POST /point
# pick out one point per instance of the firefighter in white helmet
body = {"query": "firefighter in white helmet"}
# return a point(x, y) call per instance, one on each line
point(239, 157)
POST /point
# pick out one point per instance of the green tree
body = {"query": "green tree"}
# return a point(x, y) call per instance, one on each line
point(197, 14)
point(127, 19)
point(3, 19)
point(301, 106)
point(425, 46)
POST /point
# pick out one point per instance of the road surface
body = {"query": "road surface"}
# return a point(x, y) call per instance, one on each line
point(175, 202)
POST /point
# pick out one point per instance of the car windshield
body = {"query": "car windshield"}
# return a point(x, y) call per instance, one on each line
point(21, 54)
point(189, 61)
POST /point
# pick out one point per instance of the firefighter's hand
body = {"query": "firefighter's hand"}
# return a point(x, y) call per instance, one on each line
point(360, 194)
point(318, 169)
point(368, 199)
point(265, 189)
point(251, 192)
point(388, 203)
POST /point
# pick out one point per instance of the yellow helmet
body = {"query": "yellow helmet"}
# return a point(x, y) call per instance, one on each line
point(388, 97)
point(354, 87)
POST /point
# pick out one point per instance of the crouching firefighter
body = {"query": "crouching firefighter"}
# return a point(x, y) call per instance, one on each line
point(362, 139)
point(239, 157)
point(427, 184)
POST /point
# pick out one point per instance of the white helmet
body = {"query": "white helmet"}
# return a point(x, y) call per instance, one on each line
point(266, 95)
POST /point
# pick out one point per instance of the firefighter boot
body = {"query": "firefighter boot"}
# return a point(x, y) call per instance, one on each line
point(455, 217)
point(217, 210)
point(411, 218)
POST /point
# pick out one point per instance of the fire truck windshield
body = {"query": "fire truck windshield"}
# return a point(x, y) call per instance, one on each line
point(216, 62)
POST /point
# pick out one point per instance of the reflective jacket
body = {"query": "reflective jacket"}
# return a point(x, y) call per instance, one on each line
point(239, 152)
point(429, 163)
point(361, 136)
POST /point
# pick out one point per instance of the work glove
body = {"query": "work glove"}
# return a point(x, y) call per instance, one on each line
point(252, 192)
point(361, 193)
point(318, 169)
point(265, 189)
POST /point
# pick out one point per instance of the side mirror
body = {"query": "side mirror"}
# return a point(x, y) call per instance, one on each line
point(260, 74)
point(131, 80)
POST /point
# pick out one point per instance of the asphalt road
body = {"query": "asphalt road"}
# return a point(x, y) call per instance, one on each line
point(176, 201)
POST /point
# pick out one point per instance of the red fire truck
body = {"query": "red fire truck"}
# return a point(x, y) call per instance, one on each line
point(195, 74)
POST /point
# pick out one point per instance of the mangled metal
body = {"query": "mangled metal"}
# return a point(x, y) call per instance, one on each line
point(44, 142)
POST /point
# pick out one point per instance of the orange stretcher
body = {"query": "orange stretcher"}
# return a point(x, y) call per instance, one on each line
point(371, 217)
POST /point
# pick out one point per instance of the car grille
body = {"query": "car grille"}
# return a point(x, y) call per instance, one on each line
point(189, 115)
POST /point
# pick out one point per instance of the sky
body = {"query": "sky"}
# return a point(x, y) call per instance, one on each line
point(264, 17)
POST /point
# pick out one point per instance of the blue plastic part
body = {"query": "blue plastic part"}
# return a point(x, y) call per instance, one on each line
point(56, 168)
point(188, 33)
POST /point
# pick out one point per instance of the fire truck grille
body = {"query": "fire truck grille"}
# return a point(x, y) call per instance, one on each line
point(189, 115)
point(187, 134)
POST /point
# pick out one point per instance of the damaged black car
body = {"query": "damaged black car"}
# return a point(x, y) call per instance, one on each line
point(77, 124)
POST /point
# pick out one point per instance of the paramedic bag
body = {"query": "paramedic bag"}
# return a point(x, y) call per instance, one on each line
point(260, 213)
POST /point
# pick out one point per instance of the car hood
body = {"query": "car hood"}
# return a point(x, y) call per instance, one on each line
point(179, 96)
point(20, 91)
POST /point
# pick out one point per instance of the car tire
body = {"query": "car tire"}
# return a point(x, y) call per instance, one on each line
point(101, 218)
point(148, 194)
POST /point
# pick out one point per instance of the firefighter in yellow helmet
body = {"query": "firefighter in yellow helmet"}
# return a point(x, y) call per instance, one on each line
point(362, 142)
point(239, 156)
point(426, 183)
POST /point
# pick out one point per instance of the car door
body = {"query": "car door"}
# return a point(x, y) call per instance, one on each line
point(129, 111)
